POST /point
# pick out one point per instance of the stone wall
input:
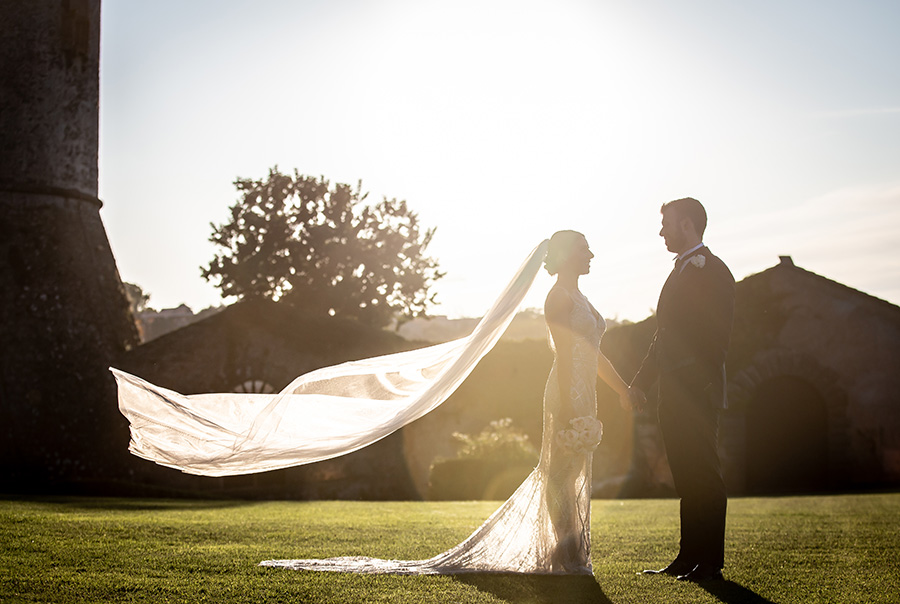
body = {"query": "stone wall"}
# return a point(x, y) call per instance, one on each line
point(49, 69)
point(846, 344)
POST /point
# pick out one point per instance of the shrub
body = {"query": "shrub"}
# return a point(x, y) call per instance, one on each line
point(488, 465)
point(499, 441)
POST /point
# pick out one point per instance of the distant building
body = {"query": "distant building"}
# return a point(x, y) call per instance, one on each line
point(439, 328)
point(152, 324)
point(528, 324)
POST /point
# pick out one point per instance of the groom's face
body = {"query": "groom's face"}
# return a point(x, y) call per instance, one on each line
point(673, 231)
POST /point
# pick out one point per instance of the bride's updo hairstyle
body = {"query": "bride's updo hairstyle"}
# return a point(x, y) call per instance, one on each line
point(559, 249)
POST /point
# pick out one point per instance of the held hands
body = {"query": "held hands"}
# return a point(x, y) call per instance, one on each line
point(633, 398)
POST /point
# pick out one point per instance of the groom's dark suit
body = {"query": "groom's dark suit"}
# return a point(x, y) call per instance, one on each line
point(687, 356)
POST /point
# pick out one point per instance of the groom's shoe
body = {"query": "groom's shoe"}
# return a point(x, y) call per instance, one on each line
point(675, 569)
point(702, 573)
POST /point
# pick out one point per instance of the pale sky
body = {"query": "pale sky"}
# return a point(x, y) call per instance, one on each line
point(502, 121)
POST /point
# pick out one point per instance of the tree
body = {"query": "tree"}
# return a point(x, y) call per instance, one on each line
point(321, 248)
point(138, 300)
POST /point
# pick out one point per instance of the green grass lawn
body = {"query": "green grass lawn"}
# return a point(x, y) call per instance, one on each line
point(793, 549)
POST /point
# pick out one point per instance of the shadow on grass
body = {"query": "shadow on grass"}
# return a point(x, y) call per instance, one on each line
point(730, 592)
point(123, 504)
point(540, 589)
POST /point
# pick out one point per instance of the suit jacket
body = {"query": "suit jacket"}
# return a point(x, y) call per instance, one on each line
point(694, 318)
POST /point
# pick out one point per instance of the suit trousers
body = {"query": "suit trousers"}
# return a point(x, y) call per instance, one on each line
point(689, 421)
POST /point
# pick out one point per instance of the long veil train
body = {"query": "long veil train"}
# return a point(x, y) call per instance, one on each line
point(542, 528)
point(322, 414)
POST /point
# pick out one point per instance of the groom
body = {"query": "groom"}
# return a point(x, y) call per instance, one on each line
point(687, 357)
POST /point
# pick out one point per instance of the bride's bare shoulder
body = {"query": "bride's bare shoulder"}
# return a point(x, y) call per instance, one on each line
point(558, 303)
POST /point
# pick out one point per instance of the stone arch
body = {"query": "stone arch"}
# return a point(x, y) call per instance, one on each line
point(252, 386)
point(773, 376)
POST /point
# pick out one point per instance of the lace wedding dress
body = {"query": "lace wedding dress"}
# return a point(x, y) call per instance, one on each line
point(544, 527)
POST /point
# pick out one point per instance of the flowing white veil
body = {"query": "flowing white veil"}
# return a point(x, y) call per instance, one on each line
point(322, 414)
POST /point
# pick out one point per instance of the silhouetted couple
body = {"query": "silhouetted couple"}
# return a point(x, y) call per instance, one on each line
point(544, 527)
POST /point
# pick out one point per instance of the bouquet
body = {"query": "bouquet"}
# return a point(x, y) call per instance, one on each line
point(583, 437)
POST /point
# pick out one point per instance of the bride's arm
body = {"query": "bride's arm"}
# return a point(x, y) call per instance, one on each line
point(609, 375)
point(612, 378)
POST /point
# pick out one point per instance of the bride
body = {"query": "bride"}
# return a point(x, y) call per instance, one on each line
point(544, 527)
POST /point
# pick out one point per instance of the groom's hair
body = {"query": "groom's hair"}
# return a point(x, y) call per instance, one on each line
point(690, 208)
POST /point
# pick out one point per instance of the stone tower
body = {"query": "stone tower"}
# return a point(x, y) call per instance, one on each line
point(63, 314)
